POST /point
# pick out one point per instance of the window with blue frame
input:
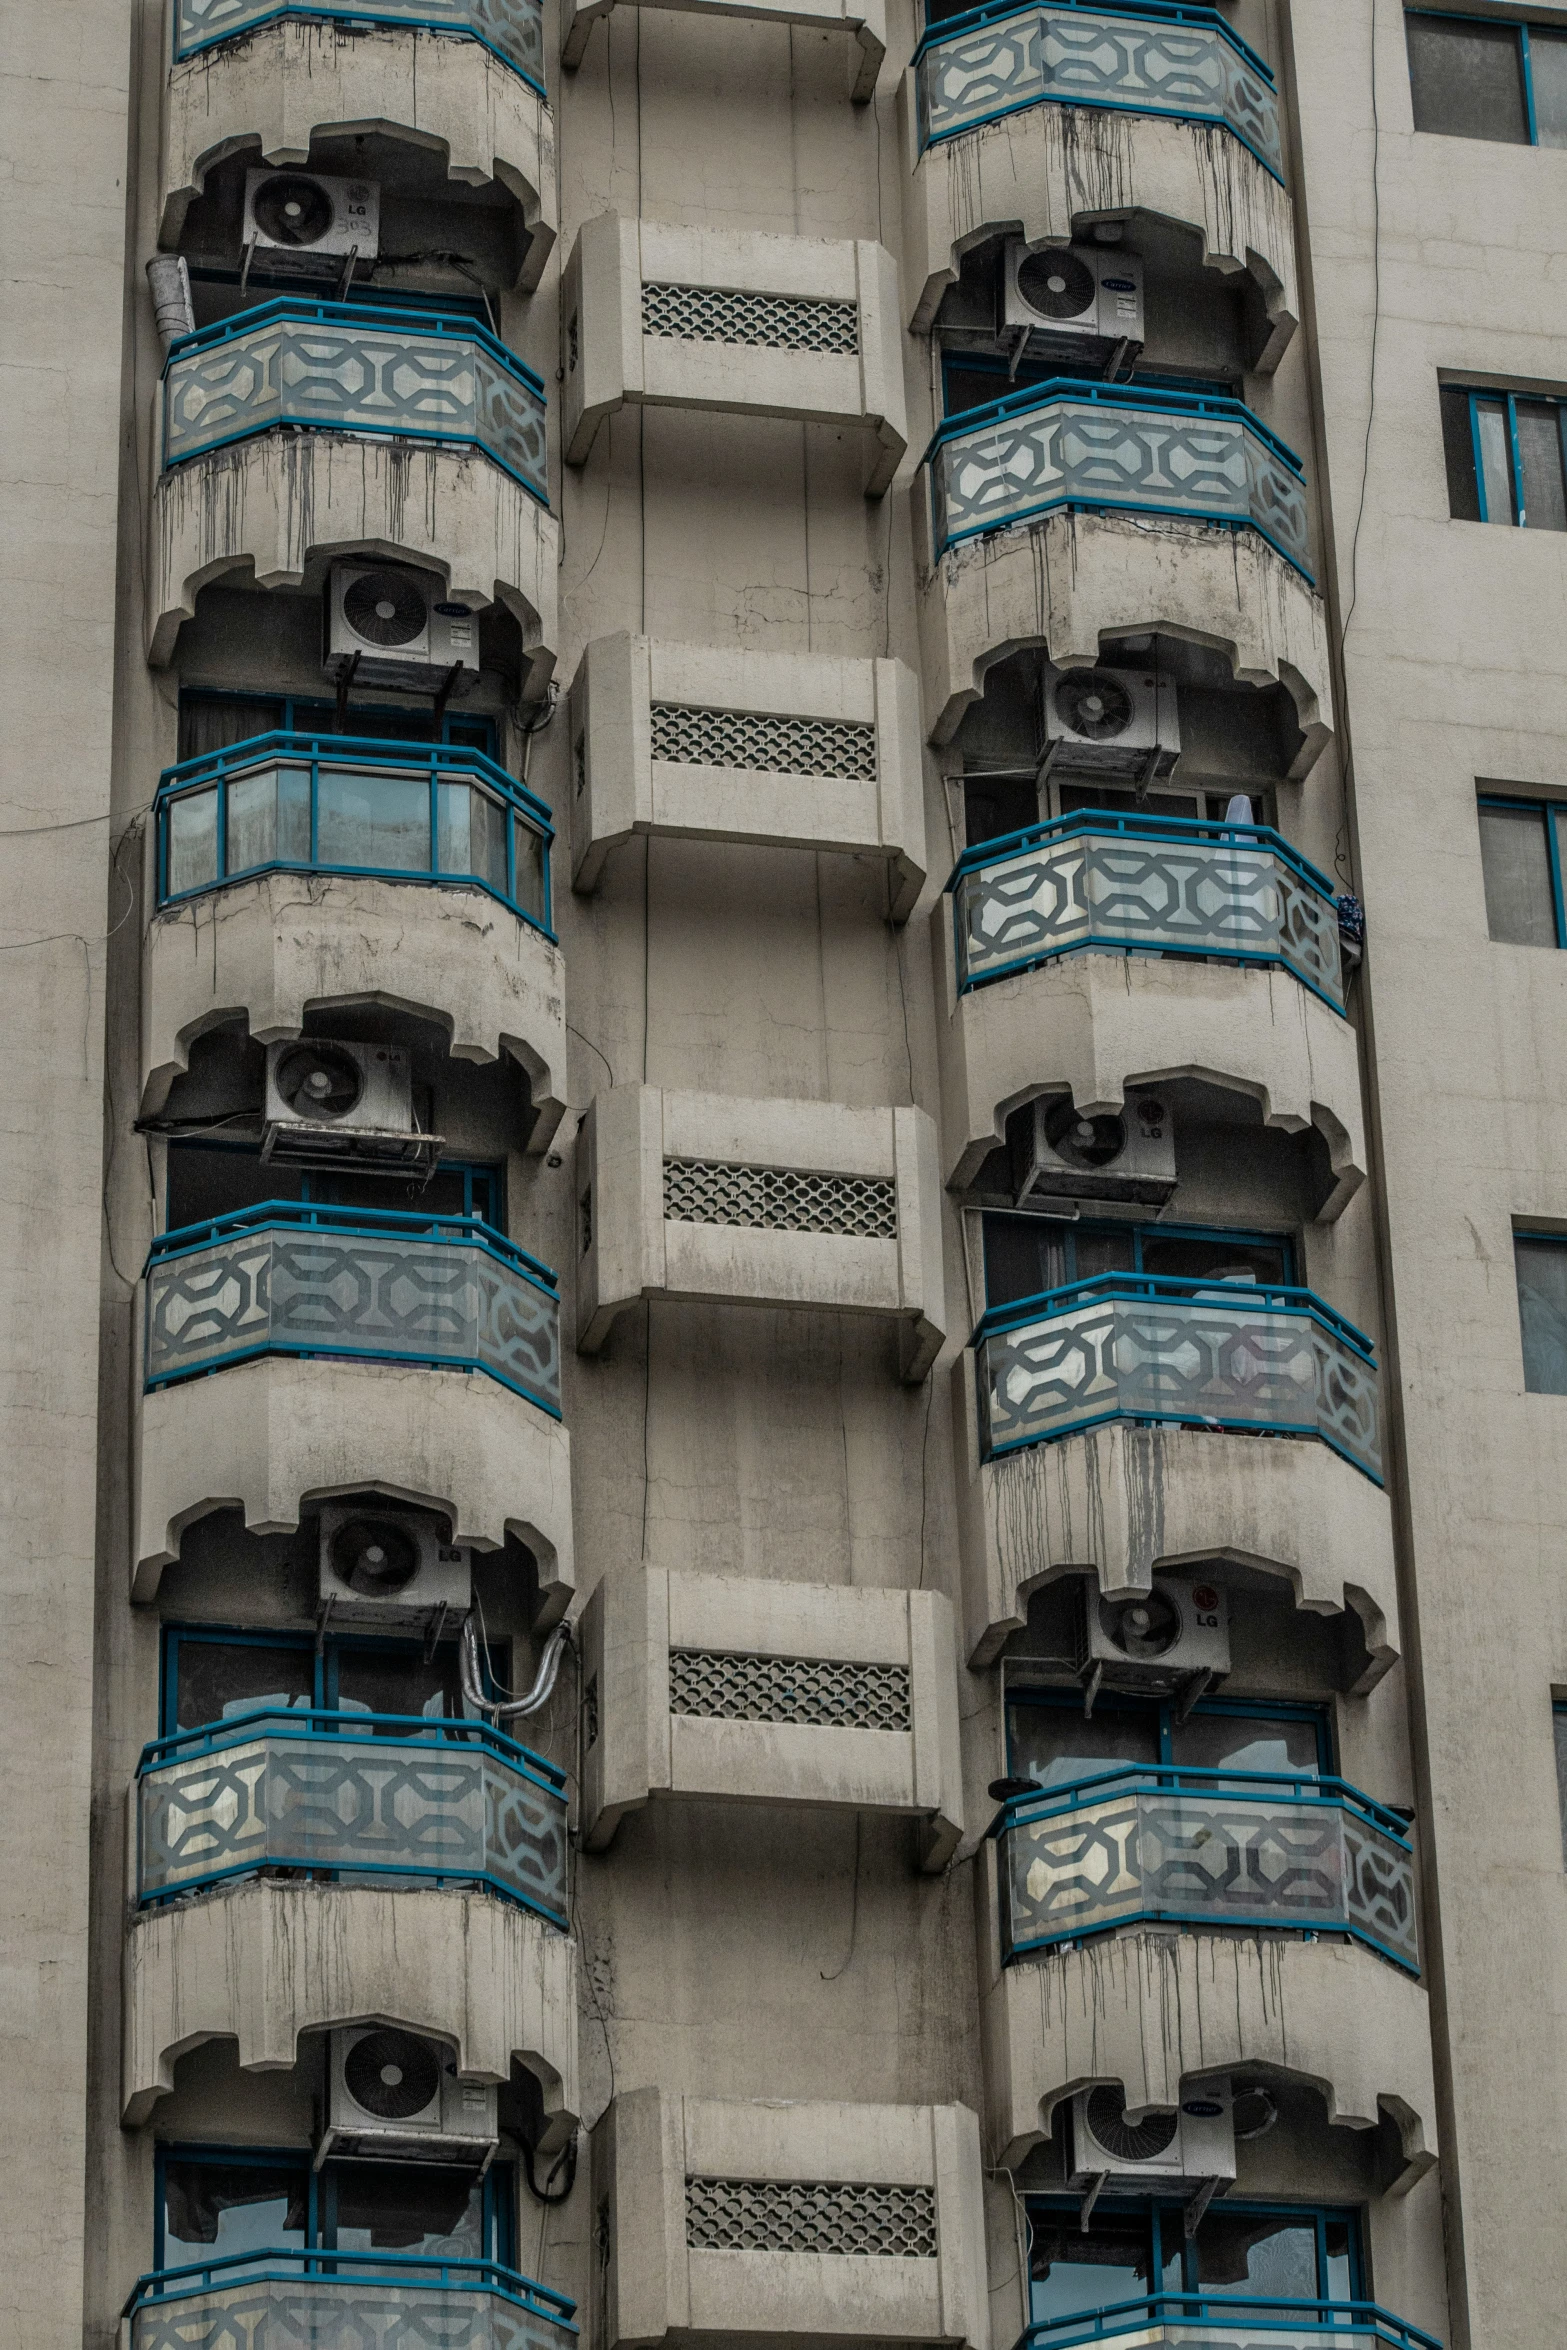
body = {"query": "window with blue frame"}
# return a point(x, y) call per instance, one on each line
point(1051, 1741)
point(1504, 453)
point(1242, 2250)
point(1540, 1259)
point(972, 379)
point(1478, 78)
point(1559, 1730)
point(213, 1674)
point(1028, 1255)
point(207, 1179)
point(217, 2203)
point(1521, 865)
point(215, 722)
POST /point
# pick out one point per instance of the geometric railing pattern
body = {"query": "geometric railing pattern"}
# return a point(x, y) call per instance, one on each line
point(409, 375)
point(448, 1293)
point(1256, 1358)
point(810, 2215)
point(1205, 1848)
point(994, 61)
point(366, 1797)
point(1231, 2321)
point(713, 1685)
point(1103, 447)
point(1226, 892)
point(514, 29)
point(780, 1199)
point(275, 2299)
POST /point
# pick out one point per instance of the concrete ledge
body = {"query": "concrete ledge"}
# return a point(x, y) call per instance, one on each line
point(659, 2284)
point(271, 950)
point(865, 19)
point(1123, 1502)
point(645, 1744)
point(268, 505)
point(1048, 168)
point(1074, 579)
point(274, 89)
point(1149, 2010)
point(1099, 1022)
point(272, 1435)
point(633, 1133)
point(623, 788)
point(611, 358)
point(262, 1963)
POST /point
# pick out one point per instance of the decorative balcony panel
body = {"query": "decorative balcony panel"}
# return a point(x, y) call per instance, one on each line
point(362, 1797)
point(513, 29)
point(1206, 1849)
point(1082, 445)
point(444, 1292)
point(279, 2300)
point(998, 59)
point(1223, 892)
point(865, 19)
point(1270, 1361)
point(408, 375)
point(794, 750)
point(1231, 2321)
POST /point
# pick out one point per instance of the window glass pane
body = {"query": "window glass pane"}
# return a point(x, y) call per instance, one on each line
point(1540, 456)
point(211, 722)
point(974, 387)
point(1339, 2283)
point(1244, 1742)
point(409, 2207)
point(293, 815)
point(472, 834)
point(1268, 2255)
point(1022, 1257)
point(1495, 463)
point(1548, 66)
point(530, 868)
point(1516, 866)
point(1559, 1725)
point(207, 1181)
point(1467, 79)
point(1458, 449)
point(1241, 1260)
point(1154, 803)
point(996, 805)
point(1093, 1253)
point(219, 1679)
point(1072, 2274)
point(1542, 1311)
point(454, 812)
point(213, 2209)
point(377, 820)
point(1055, 1744)
point(398, 1681)
point(252, 820)
point(193, 841)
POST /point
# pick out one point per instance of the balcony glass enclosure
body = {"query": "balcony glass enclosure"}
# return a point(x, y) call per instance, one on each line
point(286, 2295)
point(513, 29)
point(1230, 2321)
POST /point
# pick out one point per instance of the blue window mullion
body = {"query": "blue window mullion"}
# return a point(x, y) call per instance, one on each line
point(1554, 855)
point(1528, 86)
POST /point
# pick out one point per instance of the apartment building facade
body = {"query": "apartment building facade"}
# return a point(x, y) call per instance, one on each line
point(787, 1292)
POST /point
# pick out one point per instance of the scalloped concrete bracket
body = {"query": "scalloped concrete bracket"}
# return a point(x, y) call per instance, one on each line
point(644, 1748)
point(262, 1963)
point(286, 83)
point(657, 2284)
point(622, 789)
point(633, 1250)
point(269, 505)
point(1073, 580)
point(1098, 1023)
point(611, 359)
point(867, 21)
point(1050, 169)
point(1149, 2010)
point(270, 1436)
point(271, 950)
point(1121, 1503)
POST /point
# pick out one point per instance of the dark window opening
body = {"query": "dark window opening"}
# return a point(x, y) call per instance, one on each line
point(1504, 453)
point(215, 722)
point(1027, 1255)
point(1130, 2250)
point(207, 1179)
point(1541, 1262)
point(1050, 1740)
point(223, 2204)
point(1521, 866)
point(213, 1677)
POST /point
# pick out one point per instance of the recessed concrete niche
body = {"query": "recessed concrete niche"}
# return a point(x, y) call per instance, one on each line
point(865, 19)
point(760, 1692)
point(793, 750)
point(778, 1203)
point(704, 2244)
point(736, 321)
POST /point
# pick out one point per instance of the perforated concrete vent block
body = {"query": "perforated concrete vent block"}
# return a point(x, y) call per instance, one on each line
point(785, 2220)
point(762, 1692)
point(865, 19)
point(795, 750)
point(778, 1203)
point(736, 321)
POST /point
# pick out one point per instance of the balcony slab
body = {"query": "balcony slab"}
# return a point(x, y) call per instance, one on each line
point(865, 19)
point(264, 1962)
point(269, 1436)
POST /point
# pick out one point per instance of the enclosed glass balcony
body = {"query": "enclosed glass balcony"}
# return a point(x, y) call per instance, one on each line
point(1135, 56)
point(1113, 448)
point(331, 804)
point(1151, 884)
point(401, 375)
point(514, 29)
point(276, 2295)
point(1256, 1357)
point(1229, 2321)
point(1148, 1843)
point(366, 1285)
point(357, 1796)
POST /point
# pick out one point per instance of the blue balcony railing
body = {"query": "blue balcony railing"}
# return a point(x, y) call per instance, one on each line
point(1254, 1357)
point(1134, 56)
point(400, 375)
point(1234, 893)
point(513, 29)
point(1223, 1849)
point(277, 2295)
point(374, 1798)
point(329, 803)
point(1110, 448)
point(354, 1284)
point(1231, 2321)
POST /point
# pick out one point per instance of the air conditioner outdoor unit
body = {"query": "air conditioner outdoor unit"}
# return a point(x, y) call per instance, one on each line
point(1112, 722)
point(1155, 1640)
point(1191, 2147)
point(1076, 303)
point(335, 1104)
point(395, 2093)
point(1120, 1160)
point(396, 627)
point(389, 1567)
point(309, 223)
